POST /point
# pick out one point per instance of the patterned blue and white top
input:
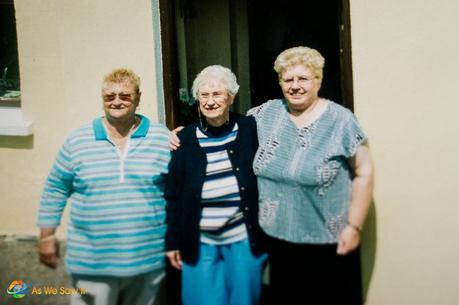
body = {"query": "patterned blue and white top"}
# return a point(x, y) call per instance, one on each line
point(222, 221)
point(303, 175)
point(117, 217)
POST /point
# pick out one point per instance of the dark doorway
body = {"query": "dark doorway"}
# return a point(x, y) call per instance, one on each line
point(247, 35)
point(276, 26)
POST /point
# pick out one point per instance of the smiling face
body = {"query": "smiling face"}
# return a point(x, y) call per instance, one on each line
point(120, 100)
point(299, 86)
point(214, 102)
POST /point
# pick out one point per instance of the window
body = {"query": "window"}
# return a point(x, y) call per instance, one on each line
point(9, 63)
point(11, 122)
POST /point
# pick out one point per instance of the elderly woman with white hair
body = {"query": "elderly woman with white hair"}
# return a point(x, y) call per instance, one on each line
point(213, 234)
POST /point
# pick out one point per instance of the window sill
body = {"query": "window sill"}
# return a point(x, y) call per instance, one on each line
point(12, 123)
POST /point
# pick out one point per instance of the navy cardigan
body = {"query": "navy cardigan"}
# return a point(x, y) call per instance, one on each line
point(187, 171)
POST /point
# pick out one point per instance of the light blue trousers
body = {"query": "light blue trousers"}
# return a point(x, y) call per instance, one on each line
point(224, 275)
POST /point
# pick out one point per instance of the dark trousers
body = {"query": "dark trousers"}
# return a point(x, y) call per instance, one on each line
point(313, 275)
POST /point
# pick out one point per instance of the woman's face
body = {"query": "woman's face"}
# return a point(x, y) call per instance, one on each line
point(120, 100)
point(214, 102)
point(299, 86)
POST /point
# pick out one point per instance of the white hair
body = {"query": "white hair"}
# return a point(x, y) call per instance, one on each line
point(216, 73)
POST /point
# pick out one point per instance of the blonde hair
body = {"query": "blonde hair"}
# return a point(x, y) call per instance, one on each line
point(308, 57)
point(216, 73)
point(122, 75)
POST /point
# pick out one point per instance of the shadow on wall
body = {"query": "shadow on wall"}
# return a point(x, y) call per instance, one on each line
point(368, 248)
point(16, 142)
point(19, 261)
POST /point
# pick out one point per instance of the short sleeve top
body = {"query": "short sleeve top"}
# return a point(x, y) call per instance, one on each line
point(304, 178)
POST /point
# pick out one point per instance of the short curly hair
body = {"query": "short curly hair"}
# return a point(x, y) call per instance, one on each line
point(308, 57)
point(216, 73)
point(122, 75)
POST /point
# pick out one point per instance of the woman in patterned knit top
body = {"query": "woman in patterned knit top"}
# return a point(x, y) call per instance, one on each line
point(315, 178)
point(213, 234)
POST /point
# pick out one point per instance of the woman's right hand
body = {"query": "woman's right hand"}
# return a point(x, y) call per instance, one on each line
point(48, 247)
point(175, 259)
point(174, 141)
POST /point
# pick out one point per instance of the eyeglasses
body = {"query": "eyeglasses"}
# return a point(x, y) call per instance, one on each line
point(204, 97)
point(301, 80)
point(125, 97)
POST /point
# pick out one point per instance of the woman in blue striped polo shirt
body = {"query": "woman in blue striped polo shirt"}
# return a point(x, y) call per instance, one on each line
point(112, 173)
point(213, 234)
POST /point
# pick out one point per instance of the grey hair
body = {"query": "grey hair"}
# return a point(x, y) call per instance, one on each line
point(216, 73)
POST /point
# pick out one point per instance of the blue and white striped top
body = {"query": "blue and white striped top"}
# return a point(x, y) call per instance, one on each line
point(117, 217)
point(222, 220)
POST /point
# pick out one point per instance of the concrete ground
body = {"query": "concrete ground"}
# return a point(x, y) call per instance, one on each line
point(19, 261)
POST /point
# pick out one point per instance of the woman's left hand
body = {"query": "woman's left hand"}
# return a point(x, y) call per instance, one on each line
point(349, 240)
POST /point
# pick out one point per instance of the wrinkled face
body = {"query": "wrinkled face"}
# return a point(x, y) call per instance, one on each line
point(214, 101)
point(299, 86)
point(120, 100)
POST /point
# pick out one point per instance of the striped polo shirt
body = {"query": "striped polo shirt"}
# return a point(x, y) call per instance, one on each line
point(222, 220)
point(117, 216)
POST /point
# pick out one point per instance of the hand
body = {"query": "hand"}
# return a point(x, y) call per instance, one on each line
point(175, 259)
point(48, 252)
point(349, 240)
point(174, 141)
